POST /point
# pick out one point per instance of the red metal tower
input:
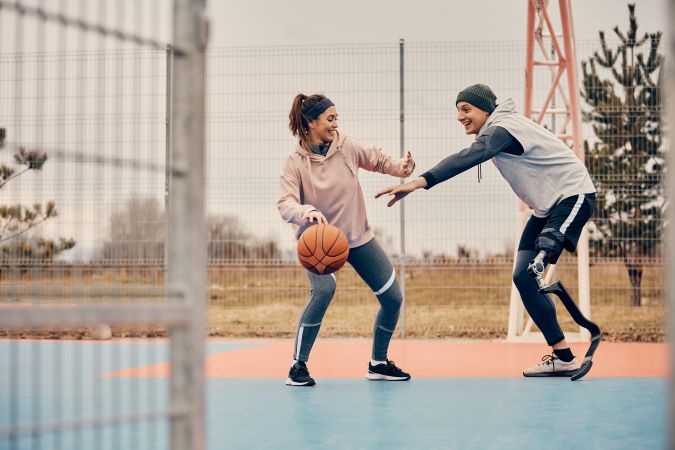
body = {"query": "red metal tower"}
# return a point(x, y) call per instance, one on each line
point(559, 58)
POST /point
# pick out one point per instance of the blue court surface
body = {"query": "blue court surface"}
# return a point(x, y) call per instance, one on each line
point(444, 413)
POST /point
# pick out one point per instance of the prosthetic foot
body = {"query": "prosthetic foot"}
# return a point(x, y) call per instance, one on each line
point(536, 269)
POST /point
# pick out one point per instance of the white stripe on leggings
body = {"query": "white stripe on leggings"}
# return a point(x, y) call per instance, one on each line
point(297, 350)
point(573, 214)
point(388, 284)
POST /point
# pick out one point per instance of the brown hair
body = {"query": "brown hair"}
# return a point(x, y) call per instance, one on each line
point(297, 121)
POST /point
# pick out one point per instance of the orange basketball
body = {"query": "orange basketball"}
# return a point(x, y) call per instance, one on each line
point(323, 249)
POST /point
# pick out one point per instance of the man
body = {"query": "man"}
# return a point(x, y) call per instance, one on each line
point(547, 176)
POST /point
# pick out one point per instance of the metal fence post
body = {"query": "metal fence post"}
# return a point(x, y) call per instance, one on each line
point(670, 192)
point(401, 270)
point(187, 242)
point(167, 162)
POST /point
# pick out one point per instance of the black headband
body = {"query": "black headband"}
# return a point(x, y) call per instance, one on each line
point(316, 110)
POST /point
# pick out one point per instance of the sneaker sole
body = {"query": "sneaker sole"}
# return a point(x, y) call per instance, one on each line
point(378, 377)
point(562, 373)
point(290, 382)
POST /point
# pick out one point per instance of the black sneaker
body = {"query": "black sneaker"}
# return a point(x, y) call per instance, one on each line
point(388, 372)
point(299, 375)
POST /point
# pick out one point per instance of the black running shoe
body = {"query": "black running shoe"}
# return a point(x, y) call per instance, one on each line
point(387, 372)
point(299, 375)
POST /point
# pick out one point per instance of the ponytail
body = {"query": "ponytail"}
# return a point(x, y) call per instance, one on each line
point(297, 118)
point(296, 123)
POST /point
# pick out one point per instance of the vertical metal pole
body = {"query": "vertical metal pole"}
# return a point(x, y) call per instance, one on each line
point(401, 270)
point(670, 233)
point(553, 83)
point(167, 163)
point(529, 60)
point(187, 241)
point(516, 308)
point(575, 118)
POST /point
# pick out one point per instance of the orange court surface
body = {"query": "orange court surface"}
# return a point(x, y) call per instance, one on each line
point(333, 358)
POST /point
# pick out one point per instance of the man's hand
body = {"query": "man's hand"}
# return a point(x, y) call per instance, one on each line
point(401, 190)
point(314, 215)
point(408, 165)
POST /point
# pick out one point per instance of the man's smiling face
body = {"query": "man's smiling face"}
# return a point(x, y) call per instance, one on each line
point(471, 117)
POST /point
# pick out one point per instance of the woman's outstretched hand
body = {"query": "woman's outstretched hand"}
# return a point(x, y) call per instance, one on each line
point(399, 191)
point(408, 165)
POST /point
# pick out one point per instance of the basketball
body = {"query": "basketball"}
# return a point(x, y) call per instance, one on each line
point(323, 249)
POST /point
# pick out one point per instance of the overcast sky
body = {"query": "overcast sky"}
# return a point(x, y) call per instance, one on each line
point(279, 75)
point(292, 22)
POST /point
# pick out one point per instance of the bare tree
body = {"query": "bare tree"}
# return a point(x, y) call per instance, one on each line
point(136, 232)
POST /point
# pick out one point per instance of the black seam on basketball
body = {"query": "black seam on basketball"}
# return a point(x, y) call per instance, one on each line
point(344, 260)
point(316, 239)
point(319, 232)
point(312, 267)
point(302, 240)
point(326, 252)
point(305, 242)
point(317, 270)
point(321, 246)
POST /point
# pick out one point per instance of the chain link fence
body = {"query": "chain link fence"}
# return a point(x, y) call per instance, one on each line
point(85, 104)
point(459, 237)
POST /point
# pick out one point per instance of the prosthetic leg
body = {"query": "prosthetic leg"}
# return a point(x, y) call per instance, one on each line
point(536, 269)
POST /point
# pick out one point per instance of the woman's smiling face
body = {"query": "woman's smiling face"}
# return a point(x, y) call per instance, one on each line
point(323, 128)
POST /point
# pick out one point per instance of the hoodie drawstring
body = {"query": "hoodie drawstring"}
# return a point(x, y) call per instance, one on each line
point(309, 169)
point(480, 175)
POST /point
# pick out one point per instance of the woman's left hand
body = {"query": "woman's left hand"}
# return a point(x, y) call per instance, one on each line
point(408, 165)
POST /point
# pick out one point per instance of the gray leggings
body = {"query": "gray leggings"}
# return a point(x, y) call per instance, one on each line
point(374, 267)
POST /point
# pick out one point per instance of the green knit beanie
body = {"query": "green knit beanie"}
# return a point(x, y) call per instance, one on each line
point(480, 96)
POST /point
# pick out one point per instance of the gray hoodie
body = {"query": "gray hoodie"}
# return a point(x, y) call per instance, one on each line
point(538, 166)
point(547, 171)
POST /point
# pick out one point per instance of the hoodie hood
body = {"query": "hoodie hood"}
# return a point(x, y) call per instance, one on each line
point(310, 158)
point(335, 144)
point(506, 107)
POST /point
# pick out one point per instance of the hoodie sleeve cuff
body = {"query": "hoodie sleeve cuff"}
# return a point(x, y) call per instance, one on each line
point(431, 181)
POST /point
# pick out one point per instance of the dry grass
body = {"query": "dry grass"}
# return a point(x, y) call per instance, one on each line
point(461, 300)
point(451, 300)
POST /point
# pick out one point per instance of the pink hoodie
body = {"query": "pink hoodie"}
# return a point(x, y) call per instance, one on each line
point(330, 184)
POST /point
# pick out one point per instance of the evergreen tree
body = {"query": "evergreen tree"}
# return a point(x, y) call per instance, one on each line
point(622, 86)
point(17, 219)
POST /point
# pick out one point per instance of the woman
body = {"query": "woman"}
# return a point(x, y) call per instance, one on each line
point(319, 184)
point(546, 175)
